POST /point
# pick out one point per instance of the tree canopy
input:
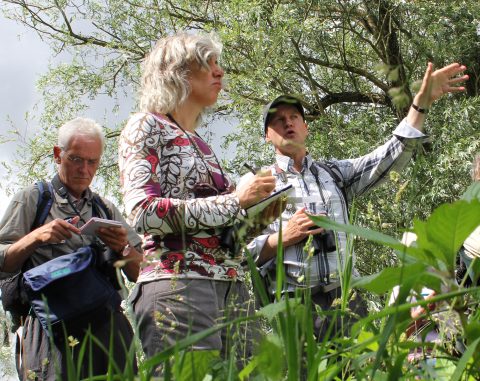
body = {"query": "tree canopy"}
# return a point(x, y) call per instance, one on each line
point(353, 63)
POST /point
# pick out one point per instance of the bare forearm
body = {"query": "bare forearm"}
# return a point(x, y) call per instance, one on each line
point(270, 247)
point(414, 118)
point(132, 267)
point(19, 252)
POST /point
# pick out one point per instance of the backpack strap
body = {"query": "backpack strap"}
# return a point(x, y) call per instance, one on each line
point(335, 173)
point(99, 205)
point(44, 203)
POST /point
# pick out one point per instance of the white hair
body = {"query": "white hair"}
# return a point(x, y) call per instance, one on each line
point(79, 126)
point(164, 84)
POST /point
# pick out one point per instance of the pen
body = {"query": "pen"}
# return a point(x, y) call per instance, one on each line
point(249, 168)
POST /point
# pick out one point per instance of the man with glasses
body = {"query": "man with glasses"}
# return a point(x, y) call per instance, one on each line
point(77, 156)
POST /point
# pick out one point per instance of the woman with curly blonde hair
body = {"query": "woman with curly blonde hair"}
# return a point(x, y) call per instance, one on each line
point(179, 199)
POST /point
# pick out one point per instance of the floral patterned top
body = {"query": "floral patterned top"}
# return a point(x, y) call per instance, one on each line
point(162, 168)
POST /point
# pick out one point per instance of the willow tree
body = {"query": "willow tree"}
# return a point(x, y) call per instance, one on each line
point(353, 63)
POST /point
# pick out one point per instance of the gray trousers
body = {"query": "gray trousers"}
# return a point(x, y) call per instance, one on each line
point(332, 323)
point(41, 360)
point(169, 310)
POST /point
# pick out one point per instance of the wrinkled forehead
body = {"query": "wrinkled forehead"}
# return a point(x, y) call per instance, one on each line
point(283, 109)
point(90, 146)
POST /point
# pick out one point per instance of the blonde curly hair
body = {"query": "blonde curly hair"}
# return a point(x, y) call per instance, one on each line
point(164, 83)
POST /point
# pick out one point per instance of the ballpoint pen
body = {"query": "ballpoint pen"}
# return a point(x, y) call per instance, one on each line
point(249, 168)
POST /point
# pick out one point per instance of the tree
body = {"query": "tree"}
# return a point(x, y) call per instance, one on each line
point(353, 63)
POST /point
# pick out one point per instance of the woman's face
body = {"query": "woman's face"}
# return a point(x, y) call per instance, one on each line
point(205, 84)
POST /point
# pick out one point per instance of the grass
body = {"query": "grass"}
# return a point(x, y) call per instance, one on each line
point(376, 346)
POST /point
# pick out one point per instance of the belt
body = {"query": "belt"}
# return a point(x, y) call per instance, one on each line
point(324, 289)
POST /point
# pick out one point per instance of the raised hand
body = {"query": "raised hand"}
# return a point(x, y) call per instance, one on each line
point(437, 83)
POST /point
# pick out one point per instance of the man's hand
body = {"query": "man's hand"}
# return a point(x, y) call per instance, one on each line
point(56, 231)
point(116, 238)
point(298, 228)
point(437, 83)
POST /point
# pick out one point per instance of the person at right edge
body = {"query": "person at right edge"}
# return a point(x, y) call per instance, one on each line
point(317, 191)
point(470, 250)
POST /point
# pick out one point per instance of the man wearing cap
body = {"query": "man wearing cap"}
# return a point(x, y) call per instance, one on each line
point(322, 187)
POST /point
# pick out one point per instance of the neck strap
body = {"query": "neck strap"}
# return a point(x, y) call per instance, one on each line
point(221, 188)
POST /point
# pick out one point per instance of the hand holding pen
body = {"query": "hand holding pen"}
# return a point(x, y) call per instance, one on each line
point(272, 211)
point(255, 188)
point(56, 231)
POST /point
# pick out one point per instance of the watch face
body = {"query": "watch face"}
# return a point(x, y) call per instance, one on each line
point(127, 250)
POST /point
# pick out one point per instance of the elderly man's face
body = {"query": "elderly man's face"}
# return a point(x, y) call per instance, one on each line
point(79, 163)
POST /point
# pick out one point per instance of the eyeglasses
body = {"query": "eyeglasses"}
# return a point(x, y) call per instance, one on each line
point(80, 161)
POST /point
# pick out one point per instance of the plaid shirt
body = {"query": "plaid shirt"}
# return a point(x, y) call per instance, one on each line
point(360, 175)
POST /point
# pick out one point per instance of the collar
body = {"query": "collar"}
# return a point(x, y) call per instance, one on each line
point(285, 163)
point(62, 193)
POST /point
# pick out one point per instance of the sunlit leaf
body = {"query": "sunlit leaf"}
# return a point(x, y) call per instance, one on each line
point(194, 365)
point(447, 228)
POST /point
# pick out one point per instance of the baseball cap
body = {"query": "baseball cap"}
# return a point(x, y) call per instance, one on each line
point(271, 108)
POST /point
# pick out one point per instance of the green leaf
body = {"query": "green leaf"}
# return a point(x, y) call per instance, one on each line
point(395, 91)
point(388, 278)
point(273, 309)
point(382, 68)
point(472, 331)
point(369, 234)
point(247, 371)
point(271, 357)
point(393, 74)
point(462, 363)
point(365, 336)
point(402, 100)
point(406, 253)
point(472, 192)
point(416, 85)
point(447, 228)
point(194, 365)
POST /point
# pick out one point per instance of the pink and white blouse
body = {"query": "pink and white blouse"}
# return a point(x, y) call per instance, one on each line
point(160, 168)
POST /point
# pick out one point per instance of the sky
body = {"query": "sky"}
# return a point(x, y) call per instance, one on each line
point(23, 58)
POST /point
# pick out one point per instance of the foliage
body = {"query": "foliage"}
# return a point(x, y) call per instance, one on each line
point(376, 347)
point(342, 57)
point(353, 63)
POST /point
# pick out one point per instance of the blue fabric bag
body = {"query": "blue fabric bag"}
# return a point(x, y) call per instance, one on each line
point(68, 287)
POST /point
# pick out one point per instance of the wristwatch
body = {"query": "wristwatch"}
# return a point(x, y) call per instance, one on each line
point(127, 250)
